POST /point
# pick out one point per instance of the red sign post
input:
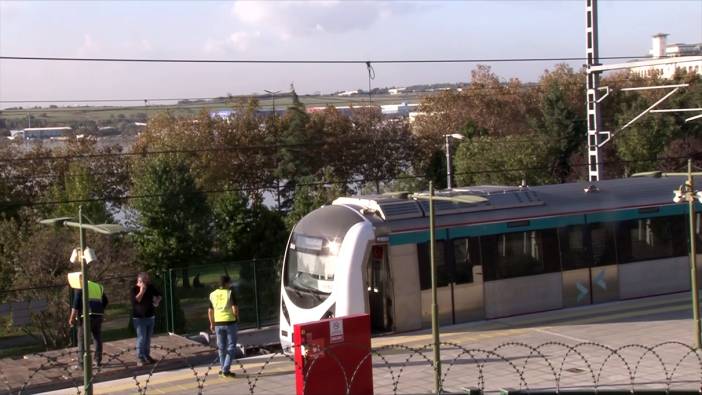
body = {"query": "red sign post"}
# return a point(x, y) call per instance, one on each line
point(332, 355)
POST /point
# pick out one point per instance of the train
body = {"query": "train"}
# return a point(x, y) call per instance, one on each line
point(515, 250)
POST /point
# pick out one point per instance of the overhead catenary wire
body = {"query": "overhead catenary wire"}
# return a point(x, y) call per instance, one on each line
point(312, 61)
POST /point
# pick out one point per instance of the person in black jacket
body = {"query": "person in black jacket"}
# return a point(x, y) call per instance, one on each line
point(145, 298)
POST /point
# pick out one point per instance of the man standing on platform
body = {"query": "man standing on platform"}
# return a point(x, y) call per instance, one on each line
point(145, 298)
point(97, 302)
point(223, 314)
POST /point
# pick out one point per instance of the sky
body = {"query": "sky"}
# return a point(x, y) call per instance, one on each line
point(310, 30)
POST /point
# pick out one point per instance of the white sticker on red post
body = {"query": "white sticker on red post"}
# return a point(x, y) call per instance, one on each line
point(336, 331)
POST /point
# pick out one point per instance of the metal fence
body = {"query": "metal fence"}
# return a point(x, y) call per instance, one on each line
point(513, 367)
point(34, 318)
point(256, 284)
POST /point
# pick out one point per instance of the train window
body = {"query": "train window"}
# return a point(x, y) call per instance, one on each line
point(651, 238)
point(520, 254)
point(442, 273)
point(466, 254)
point(575, 251)
point(603, 244)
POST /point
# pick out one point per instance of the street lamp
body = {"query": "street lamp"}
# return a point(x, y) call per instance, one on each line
point(277, 180)
point(688, 194)
point(448, 155)
point(85, 255)
point(430, 197)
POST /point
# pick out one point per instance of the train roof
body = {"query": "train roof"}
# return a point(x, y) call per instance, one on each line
point(505, 203)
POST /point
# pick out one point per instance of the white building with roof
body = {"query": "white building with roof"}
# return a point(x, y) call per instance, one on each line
point(660, 49)
point(46, 133)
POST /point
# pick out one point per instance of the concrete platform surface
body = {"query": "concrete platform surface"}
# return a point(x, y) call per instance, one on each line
point(636, 344)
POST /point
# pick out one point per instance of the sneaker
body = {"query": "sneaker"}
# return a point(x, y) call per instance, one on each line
point(230, 375)
point(150, 360)
point(140, 363)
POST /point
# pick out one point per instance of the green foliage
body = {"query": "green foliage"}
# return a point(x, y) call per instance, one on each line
point(295, 159)
point(78, 188)
point(246, 230)
point(10, 242)
point(643, 142)
point(561, 129)
point(311, 194)
point(519, 159)
point(436, 169)
point(174, 217)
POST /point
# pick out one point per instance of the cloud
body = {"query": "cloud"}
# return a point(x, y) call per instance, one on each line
point(289, 19)
point(242, 40)
point(89, 46)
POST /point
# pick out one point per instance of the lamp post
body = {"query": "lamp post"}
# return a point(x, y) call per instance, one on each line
point(277, 180)
point(434, 305)
point(687, 193)
point(108, 229)
point(430, 197)
point(448, 155)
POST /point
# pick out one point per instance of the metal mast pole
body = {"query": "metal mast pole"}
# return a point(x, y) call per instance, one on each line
point(434, 305)
point(693, 257)
point(87, 363)
point(448, 162)
point(593, 85)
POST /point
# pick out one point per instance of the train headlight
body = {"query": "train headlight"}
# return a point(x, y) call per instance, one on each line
point(333, 247)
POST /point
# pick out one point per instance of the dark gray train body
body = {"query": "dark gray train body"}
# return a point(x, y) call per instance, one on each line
point(523, 250)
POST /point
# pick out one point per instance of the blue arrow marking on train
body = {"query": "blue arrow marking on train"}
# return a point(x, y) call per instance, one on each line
point(599, 280)
point(582, 291)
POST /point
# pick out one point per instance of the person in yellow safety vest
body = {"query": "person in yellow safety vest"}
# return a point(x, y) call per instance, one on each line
point(223, 314)
point(97, 302)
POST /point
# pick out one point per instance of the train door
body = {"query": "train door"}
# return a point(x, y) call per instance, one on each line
point(459, 281)
point(588, 263)
point(380, 289)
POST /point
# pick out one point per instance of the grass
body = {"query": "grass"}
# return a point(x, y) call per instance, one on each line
point(104, 113)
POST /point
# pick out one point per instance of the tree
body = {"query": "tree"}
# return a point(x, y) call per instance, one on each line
point(173, 214)
point(384, 148)
point(296, 156)
point(562, 131)
point(79, 187)
point(310, 194)
point(640, 144)
point(503, 161)
point(10, 241)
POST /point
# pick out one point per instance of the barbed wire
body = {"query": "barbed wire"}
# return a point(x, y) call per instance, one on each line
point(514, 364)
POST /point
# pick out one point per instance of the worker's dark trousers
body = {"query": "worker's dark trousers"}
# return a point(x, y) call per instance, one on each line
point(95, 329)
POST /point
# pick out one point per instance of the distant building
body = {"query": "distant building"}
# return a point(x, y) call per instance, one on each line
point(46, 133)
point(660, 49)
point(396, 91)
point(348, 93)
point(222, 114)
point(402, 109)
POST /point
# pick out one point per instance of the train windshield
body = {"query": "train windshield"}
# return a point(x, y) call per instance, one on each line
point(312, 256)
point(310, 264)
